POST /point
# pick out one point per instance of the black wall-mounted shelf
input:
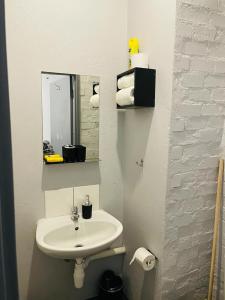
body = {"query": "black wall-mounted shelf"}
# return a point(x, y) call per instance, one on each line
point(93, 88)
point(144, 87)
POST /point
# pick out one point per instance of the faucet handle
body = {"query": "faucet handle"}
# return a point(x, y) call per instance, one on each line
point(74, 210)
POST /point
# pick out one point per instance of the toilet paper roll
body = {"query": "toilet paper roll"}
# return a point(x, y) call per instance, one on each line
point(139, 60)
point(144, 258)
point(125, 96)
point(126, 81)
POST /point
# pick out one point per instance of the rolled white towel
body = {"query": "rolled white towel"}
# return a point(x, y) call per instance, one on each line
point(126, 81)
point(125, 96)
point(94, 101)
point(96, 88)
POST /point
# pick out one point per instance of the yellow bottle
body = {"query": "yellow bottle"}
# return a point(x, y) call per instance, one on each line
point(53, 158)
point(133, 48)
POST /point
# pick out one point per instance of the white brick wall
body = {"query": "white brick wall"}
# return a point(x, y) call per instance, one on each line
point(197, 126)
point(89, 133)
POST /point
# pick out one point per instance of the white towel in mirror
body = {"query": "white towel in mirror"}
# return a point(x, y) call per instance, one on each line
point(94, 101)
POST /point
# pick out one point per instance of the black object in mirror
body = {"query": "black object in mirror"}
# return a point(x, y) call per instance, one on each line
point(69, 153)
point(74, 153)
point(80, 153)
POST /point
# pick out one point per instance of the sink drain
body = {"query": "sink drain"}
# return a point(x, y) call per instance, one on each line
point(78, 246)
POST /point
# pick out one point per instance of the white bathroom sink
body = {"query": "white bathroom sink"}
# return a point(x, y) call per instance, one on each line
point(58, 238)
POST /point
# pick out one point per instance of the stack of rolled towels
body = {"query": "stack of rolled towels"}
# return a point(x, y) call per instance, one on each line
point(94, 100)
point(125, 95)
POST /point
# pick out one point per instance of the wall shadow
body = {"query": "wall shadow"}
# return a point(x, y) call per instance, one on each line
point(67, 175)
point(52, 278)
point(134, 132)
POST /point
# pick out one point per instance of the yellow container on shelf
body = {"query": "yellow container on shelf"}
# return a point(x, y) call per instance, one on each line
point(53, 158)
point(133, 48)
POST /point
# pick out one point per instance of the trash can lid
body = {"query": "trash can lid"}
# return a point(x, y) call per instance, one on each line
point(110, 282)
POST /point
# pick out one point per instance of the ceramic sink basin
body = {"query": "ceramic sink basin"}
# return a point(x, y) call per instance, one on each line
point(58, 238)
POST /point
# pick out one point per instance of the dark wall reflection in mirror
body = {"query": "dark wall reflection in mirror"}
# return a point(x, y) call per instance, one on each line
point(70, 105)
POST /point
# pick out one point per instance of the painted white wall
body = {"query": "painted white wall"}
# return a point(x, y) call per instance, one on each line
point(146, 133)
point(77, 37)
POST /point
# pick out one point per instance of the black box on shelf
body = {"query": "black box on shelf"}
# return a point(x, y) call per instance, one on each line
point(144, 87)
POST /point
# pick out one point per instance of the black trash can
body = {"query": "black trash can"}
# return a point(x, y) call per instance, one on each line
point(80, 153)
point(110, 287)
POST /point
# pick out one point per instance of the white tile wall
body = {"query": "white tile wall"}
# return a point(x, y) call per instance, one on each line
point(59, 202)
point(91, 190)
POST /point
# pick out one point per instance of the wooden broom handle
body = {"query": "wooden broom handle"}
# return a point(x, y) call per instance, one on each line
point(216, 226)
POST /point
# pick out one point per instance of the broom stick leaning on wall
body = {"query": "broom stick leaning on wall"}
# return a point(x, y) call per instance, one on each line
point(216, 226)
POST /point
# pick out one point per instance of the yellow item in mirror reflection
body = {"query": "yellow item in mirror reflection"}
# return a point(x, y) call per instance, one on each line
point(53, 158)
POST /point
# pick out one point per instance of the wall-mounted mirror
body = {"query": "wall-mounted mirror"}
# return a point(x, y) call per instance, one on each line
point(70, 105)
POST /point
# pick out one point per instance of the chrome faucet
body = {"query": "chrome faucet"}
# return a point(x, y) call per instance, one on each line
point(75, 216)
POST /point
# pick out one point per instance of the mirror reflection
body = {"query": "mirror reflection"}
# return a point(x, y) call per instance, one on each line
point(70, 105)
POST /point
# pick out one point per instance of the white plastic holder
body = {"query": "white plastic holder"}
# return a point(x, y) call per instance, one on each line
point(82, 263)
point(144, 258)
point(79, 274)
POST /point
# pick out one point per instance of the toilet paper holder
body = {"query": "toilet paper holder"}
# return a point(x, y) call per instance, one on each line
point(145, 258)
point(140, 163)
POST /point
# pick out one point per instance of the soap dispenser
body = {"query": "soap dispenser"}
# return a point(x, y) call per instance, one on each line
point(87, 208)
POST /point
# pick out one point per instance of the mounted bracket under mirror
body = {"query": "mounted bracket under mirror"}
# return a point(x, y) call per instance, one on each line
point(70, 106)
